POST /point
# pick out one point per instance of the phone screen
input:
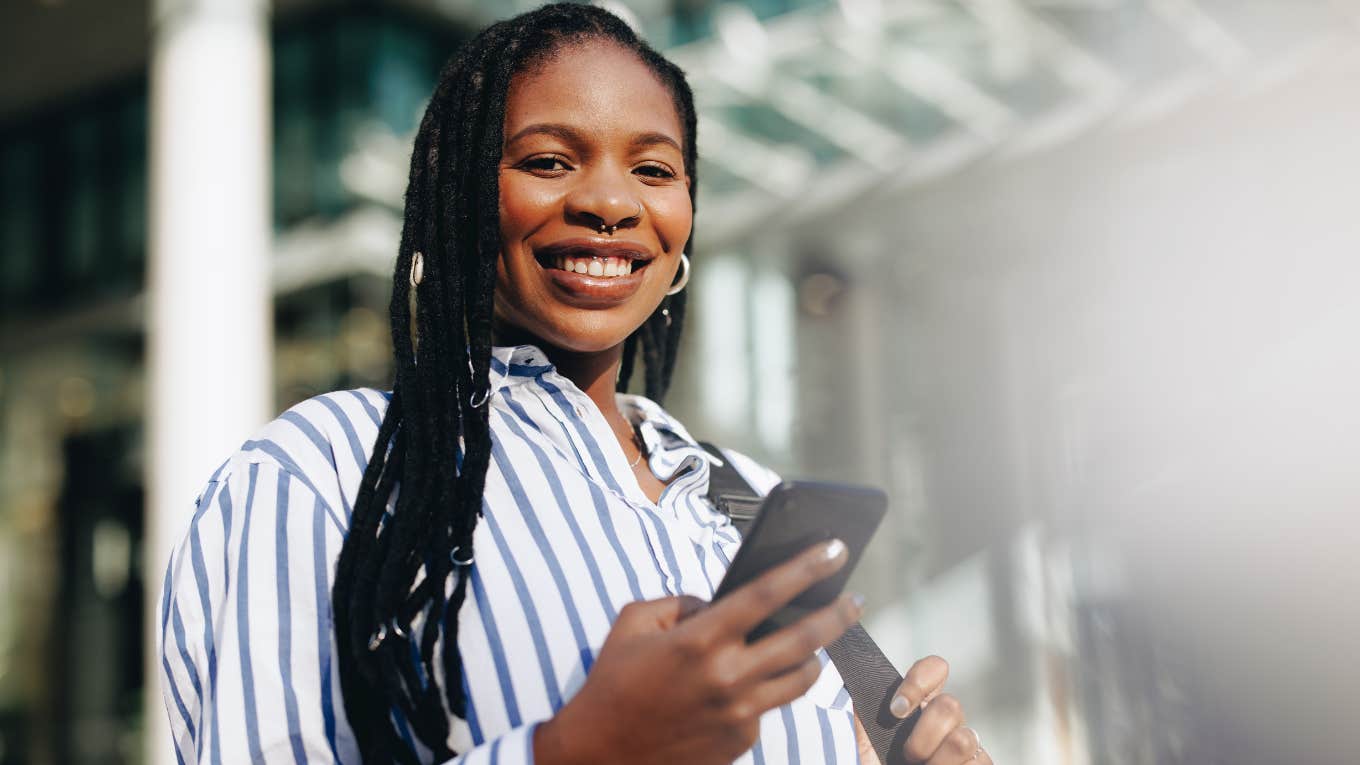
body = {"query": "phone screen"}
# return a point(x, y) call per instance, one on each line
point(794, 516)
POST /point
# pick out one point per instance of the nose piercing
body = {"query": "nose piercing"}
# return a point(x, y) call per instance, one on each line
point(603, 229)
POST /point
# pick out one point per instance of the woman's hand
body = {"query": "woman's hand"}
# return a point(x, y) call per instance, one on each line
point(939, 737)
point(677, 682)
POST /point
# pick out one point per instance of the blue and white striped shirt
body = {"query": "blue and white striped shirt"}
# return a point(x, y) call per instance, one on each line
point(567, 539)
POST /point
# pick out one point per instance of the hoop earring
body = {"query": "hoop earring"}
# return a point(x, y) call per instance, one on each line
point(684, 275)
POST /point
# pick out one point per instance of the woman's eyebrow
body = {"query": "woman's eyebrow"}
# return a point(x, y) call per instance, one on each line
point(546, 128)
point(572, 135)
point(652, 138)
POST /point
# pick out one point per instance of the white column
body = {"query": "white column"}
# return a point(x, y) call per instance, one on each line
point(209, 323)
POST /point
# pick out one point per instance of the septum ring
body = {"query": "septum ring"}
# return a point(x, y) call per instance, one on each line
point(603, 229)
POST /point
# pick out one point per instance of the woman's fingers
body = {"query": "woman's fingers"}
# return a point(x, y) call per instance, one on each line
point(961, 746)
point(739, 612)
point(653, 615)
point(792, 645)
point(780, 690)
point(923, 681)
point(941, 717)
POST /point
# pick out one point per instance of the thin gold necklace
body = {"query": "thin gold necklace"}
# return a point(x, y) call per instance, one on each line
point(638, 443)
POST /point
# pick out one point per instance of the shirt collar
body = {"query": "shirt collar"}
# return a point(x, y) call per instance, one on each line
point(516, 364)
point(513, 364)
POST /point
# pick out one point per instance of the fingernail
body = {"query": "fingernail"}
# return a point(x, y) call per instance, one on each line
point(834, 548)
point(900, 706)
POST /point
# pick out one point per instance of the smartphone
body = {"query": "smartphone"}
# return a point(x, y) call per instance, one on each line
point(794, 516)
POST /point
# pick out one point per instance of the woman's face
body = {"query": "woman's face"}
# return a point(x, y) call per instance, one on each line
point(591, 138)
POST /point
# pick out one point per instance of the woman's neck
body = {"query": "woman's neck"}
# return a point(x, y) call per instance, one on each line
point(594, 372)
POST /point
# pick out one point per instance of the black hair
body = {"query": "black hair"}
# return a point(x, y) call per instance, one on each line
point(452, 220)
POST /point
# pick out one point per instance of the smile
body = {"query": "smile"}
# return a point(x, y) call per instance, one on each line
point(594, 257)
point(609, 266)
point(594, 273)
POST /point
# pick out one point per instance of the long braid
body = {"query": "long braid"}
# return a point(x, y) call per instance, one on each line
point(434, 444)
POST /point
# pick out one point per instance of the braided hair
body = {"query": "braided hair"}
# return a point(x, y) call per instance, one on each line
point(435, 440)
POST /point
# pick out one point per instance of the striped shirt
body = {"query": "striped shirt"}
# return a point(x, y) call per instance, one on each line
point(567, 539)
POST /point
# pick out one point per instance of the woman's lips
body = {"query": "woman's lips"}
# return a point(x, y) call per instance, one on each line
point(594, 291)
point(564, 263)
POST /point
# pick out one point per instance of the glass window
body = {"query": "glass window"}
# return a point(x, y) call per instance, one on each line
point(404, 74)
point(130, 196)
point(295, 128)
point(18, 223)
point(81, 207)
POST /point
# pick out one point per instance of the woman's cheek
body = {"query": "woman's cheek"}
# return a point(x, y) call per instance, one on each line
point(523, 205)
point(674, 217)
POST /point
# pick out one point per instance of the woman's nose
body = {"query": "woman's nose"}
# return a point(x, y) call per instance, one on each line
point(603, 201)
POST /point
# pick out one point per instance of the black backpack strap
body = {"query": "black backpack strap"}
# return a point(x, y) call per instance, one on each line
point(729, 492)
point(869, 677)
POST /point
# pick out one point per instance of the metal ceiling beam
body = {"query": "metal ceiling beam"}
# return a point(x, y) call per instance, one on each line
point(778, 169)
point(1203, 32)
point(930, 80)
point(1081, 70)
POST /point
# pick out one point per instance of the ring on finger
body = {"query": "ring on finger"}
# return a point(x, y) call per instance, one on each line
point(977, 750)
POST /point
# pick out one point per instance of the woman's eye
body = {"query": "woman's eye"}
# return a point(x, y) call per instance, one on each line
point(655, 171)
point(545, 164)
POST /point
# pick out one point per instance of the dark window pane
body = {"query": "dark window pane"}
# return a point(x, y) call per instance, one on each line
point(18, 223)
point(82, 203)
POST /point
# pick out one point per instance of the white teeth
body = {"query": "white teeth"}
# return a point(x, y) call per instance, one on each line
point(605, 267)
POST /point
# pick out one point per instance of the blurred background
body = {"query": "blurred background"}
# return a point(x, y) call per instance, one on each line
point(1077, 281)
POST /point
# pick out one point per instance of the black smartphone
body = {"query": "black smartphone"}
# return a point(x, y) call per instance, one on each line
point(794, 516)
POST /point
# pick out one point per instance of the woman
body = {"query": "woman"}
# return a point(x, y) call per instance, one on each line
point(520, 555)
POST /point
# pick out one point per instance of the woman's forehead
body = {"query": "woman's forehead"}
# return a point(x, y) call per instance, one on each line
point(593, 86)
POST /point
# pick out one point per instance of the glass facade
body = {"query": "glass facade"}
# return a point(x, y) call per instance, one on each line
point(73, 205)
point(73, 243)
point(337, 78)
point(877, 202)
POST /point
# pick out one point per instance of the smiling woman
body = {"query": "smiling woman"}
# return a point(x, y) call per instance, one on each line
point(507, 557)
point(592, 176)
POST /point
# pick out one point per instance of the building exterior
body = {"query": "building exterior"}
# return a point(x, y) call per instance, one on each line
point(904, 241)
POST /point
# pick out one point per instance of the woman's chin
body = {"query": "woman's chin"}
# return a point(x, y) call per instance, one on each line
point(589, 332)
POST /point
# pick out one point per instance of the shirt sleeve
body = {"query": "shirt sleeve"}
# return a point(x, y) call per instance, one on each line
point(515, 747)
point(245, 642)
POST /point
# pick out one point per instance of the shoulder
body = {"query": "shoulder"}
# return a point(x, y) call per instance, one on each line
point(321, 444)
point(245, 598)
point(321, 433)
point(285, 492)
